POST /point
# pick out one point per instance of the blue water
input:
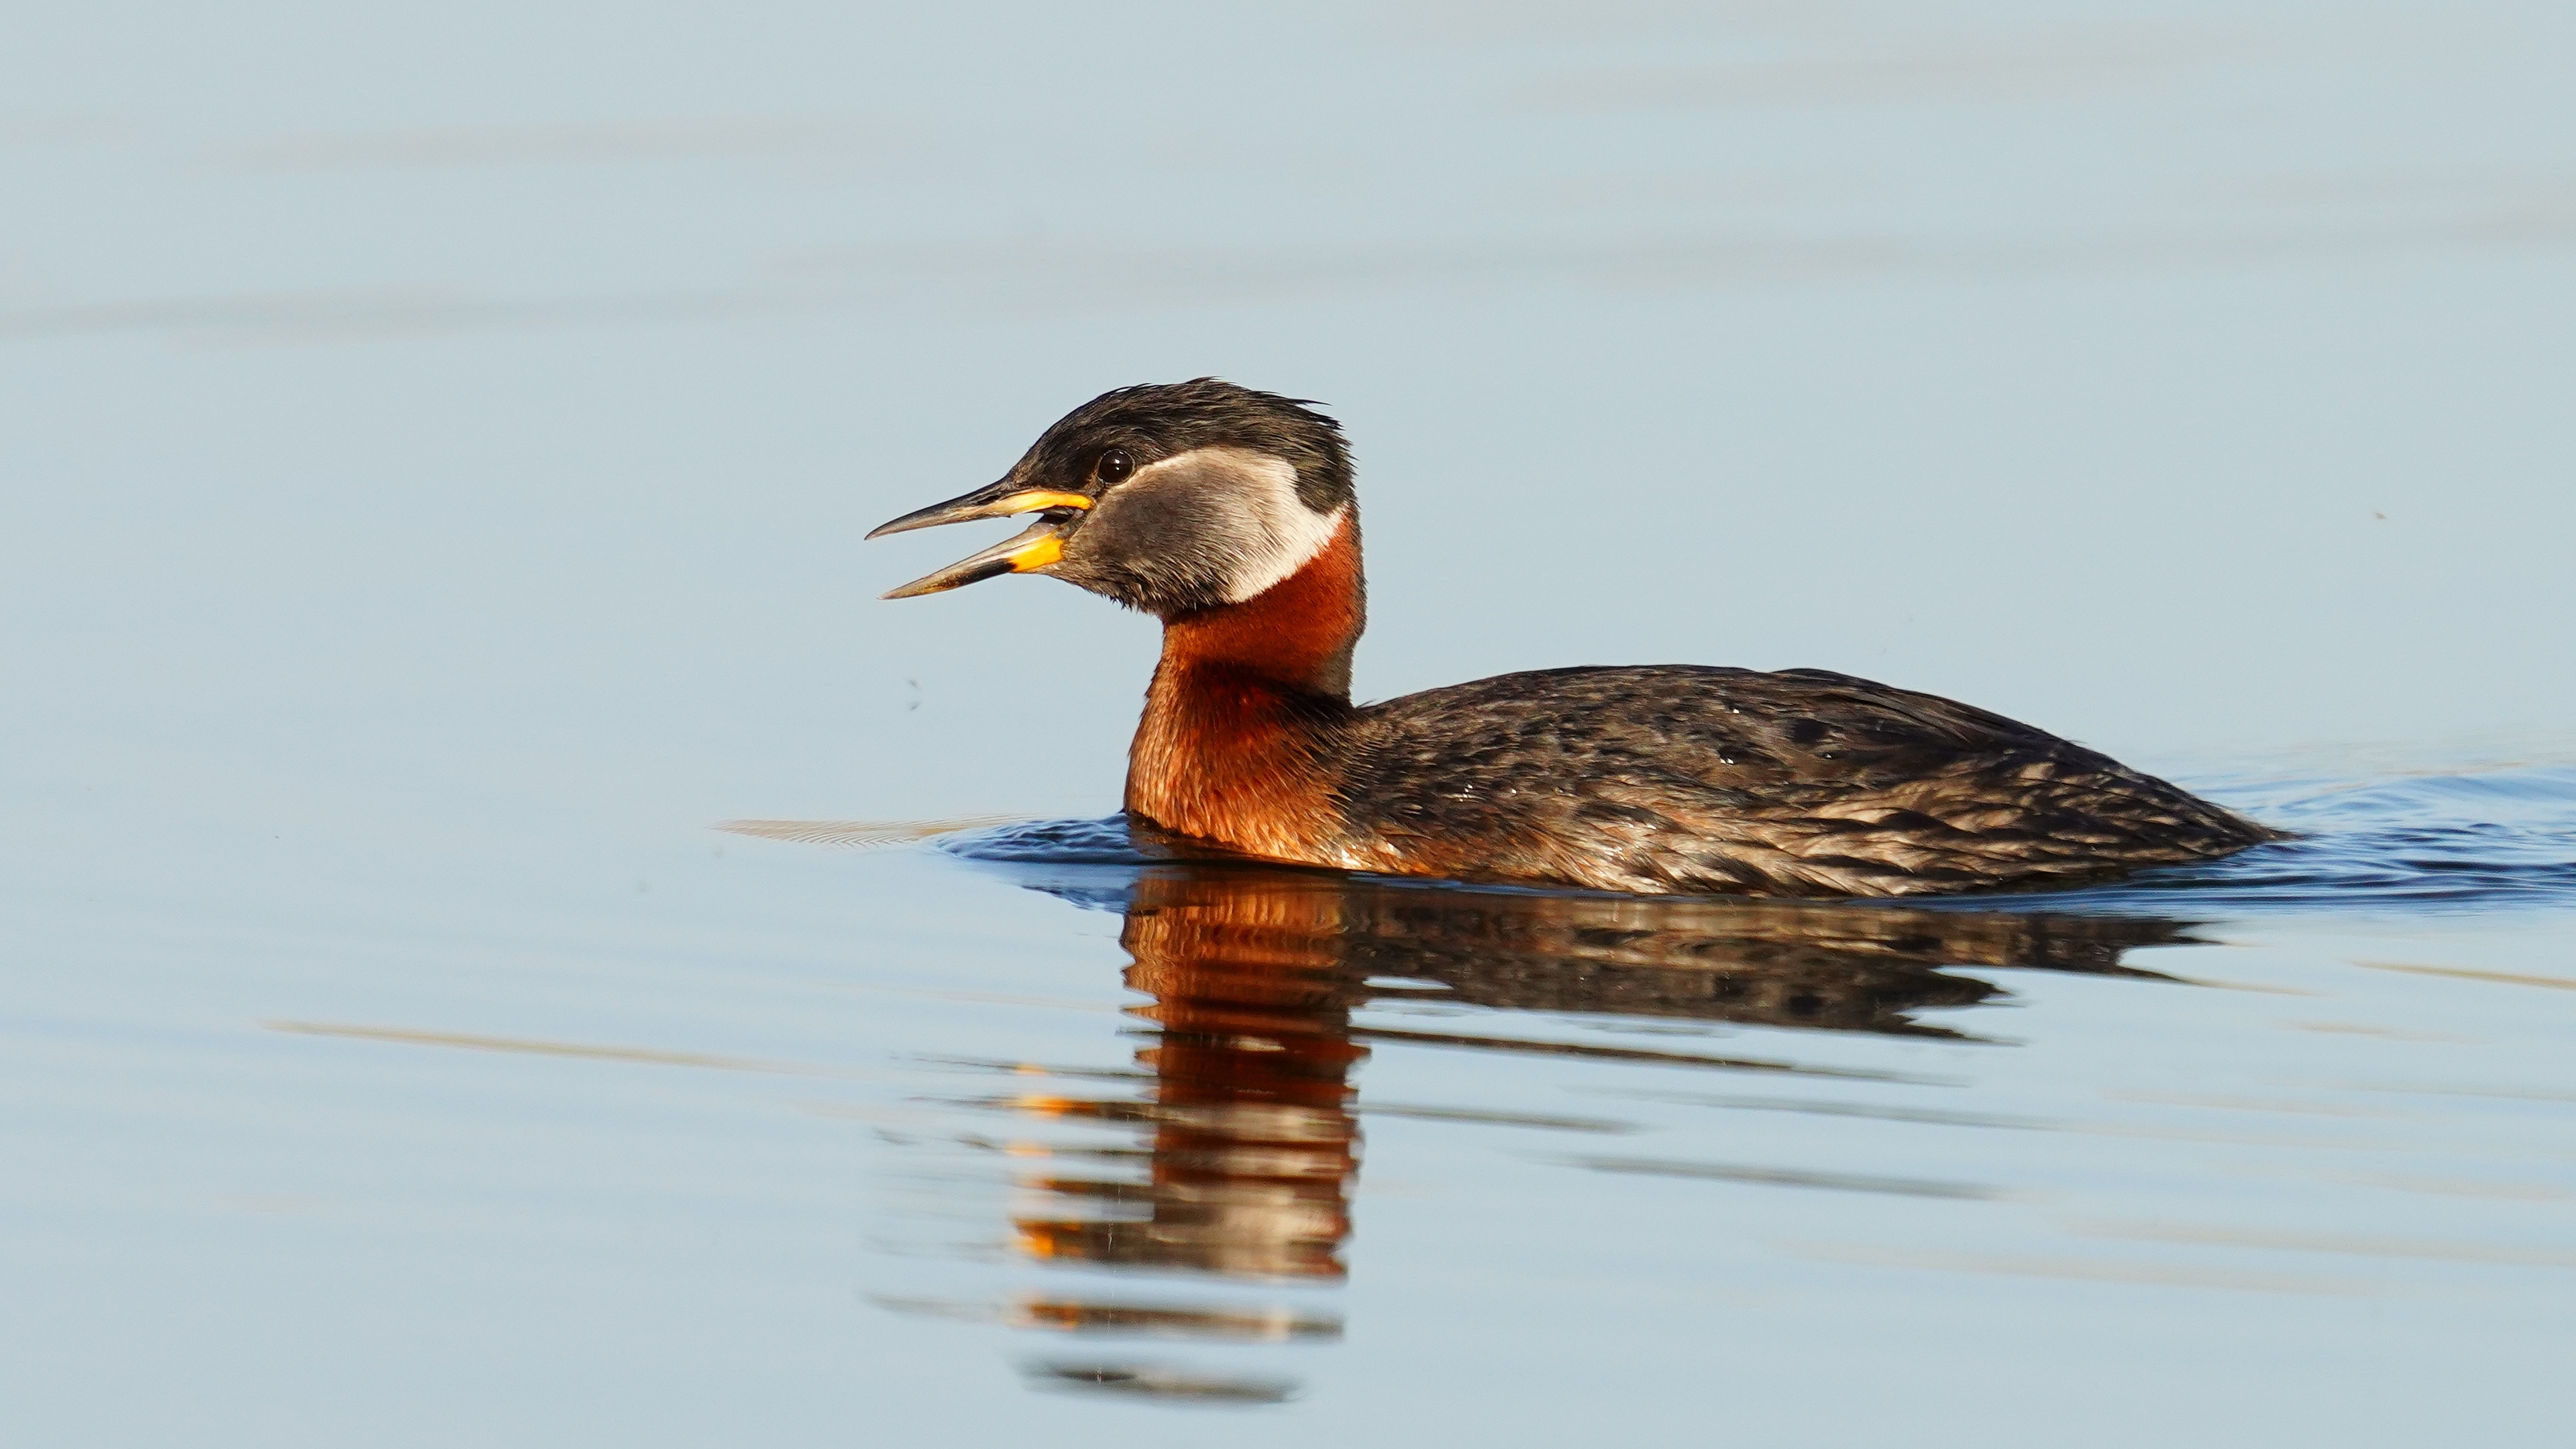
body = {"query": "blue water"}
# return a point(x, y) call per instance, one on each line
point(505, 941)
point(1585, 1075)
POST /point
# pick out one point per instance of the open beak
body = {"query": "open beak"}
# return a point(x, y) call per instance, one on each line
point(1034, 547)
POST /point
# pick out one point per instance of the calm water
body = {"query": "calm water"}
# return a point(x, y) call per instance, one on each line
point(505, 942)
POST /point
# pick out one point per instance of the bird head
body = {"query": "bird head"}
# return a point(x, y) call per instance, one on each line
point(1169, 498)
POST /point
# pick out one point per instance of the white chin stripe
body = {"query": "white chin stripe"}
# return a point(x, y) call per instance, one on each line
point(1263, 529)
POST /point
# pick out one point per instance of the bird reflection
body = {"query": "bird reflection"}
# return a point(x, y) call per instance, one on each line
point(1252, 1143)
point(1247, 1145)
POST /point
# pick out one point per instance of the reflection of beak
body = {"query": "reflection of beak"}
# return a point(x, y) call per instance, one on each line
point(1034, 547)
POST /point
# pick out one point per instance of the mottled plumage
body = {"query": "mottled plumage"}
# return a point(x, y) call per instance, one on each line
point(1803, 782)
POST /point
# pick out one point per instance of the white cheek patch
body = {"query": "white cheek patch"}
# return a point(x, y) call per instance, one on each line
point(1249, 513)
point(1293, 534)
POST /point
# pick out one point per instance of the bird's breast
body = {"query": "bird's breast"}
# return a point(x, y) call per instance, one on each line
point(1231, 757)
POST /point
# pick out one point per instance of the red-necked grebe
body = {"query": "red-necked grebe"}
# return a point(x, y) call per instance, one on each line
point(1229, 514)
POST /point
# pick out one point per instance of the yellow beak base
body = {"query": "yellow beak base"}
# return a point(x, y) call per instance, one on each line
point(1036, 547)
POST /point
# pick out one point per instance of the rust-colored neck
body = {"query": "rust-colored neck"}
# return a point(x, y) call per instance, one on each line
point(1244, 710)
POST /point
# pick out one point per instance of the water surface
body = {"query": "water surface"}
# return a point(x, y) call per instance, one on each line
point(507, 943)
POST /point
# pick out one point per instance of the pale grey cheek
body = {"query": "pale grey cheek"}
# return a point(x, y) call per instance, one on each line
point(1148, 554)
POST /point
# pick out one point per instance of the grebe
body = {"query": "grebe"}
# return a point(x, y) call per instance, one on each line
point(1229, 514)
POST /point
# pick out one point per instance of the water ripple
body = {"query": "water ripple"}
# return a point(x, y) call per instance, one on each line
point(2479, 837)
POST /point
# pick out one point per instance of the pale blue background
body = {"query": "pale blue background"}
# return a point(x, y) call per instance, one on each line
point(434, 446)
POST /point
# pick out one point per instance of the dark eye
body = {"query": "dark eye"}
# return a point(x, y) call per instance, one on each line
point(1115, 465)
